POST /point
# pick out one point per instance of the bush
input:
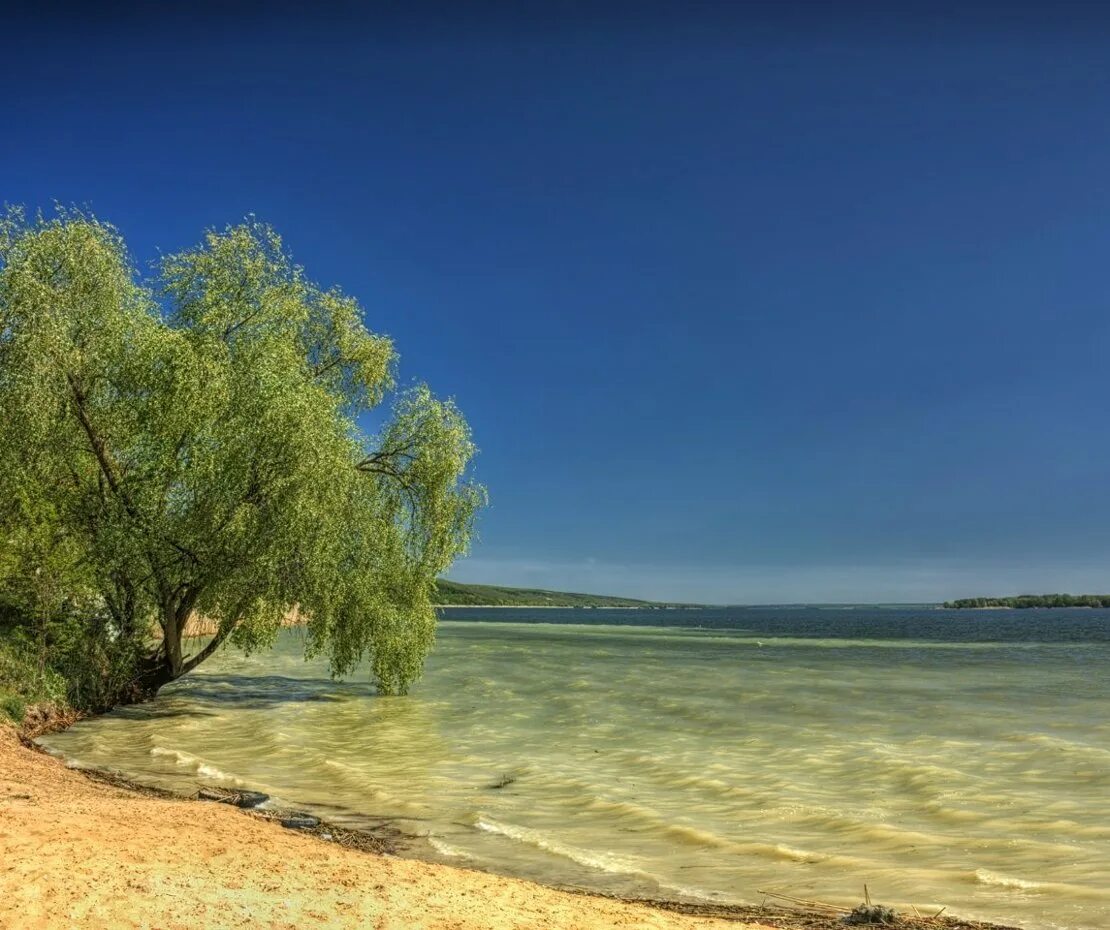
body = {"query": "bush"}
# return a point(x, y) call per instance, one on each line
point(13, 707)
point(93, 667)
point(23, 678)
point(78, 664)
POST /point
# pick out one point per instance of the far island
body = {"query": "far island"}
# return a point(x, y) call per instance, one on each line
point(1033, 600)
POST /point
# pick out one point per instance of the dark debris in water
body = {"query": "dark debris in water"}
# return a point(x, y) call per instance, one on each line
point(231, 796)
point(383, 839)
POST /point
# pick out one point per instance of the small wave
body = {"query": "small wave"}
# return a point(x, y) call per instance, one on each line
point(986, 877)
point(692, 836)
point(601, 861)
point(793, 854)
point(916, 775)
point(1057, 745)
point(210, 771)
point(369, 791)
point(1060, 890)
point(181, 758)
point(446, 849)
point(198, 765)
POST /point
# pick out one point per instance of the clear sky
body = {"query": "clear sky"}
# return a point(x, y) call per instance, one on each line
point(793, 302)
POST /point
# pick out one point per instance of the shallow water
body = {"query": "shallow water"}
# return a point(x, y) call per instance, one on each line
point(944, 758)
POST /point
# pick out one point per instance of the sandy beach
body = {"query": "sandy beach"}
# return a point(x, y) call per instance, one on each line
point(76, 853)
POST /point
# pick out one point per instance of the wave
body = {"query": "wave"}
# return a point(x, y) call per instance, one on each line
point(775, 852)
point(1063, 890)
point(352, 777)
point(446, 849)
point(197, 764)
point(1057, 745)
point(604, 862)
point(986, 877)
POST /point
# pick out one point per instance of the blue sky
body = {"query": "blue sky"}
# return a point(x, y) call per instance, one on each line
point(794, 302)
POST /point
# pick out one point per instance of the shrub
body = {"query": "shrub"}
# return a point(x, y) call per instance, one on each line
point(13, 707)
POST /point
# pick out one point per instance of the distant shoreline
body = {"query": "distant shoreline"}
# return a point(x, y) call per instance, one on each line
point(1030, 601)
point(460, 594)
point(559, 607)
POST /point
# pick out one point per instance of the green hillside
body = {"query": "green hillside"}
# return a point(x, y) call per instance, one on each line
point(457, 594)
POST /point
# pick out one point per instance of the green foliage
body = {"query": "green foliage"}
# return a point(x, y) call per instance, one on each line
point(74, 660)
point(1033, 600)
point(194, 444)
point(25, 677)
point(95, 667)
point(13, 707)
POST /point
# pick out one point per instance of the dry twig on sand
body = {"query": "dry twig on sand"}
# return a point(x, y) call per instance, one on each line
point(814, 905)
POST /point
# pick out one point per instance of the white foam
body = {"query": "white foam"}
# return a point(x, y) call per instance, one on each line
point(446, 849)
point(198, 765)
point(181, 758)
point(602, 861)
point(987, 877)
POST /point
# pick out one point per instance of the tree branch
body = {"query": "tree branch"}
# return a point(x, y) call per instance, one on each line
point(213, 644)
point(99, 447)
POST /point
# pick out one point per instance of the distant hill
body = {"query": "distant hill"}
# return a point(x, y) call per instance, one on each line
point(457, 594)
point(1034, 600)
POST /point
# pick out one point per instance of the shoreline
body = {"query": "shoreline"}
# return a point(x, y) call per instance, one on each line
point(76, 851)
point(94, 848)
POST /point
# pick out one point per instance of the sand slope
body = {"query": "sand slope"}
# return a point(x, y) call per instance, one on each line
point(74, 853)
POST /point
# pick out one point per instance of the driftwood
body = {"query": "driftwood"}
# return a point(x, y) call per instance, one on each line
point(813, 905)
point(825, 915)
point(236, 798)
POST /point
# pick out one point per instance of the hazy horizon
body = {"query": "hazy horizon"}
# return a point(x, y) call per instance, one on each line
point(751, 585)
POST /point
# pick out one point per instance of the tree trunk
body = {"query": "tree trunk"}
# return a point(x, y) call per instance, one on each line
point(154, 673)
point(168, 663)
point(171, 631)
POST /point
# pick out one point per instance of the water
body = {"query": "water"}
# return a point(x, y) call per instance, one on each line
point(945, 758)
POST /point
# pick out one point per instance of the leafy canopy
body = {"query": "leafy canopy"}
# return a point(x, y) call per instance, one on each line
point(195, 444)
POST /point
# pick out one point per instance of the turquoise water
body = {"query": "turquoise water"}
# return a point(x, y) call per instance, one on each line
point(957, 759)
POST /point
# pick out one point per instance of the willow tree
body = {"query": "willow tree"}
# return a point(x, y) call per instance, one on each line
point(224, 440)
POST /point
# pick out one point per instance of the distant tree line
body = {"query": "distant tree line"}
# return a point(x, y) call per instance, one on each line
point(1033, 600)
point(459, 594)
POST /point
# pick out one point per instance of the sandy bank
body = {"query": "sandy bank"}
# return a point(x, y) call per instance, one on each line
point(75, 853)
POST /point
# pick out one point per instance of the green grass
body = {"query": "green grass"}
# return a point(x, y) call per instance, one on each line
point(457, 594)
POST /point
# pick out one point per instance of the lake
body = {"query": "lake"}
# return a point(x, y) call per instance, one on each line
point(945, 758)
